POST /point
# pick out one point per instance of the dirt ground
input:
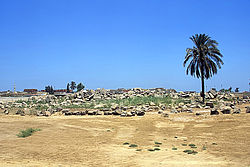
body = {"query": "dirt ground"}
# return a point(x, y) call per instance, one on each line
point(98, 140)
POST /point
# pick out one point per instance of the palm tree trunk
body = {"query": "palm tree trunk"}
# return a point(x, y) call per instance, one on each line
point(202, 88)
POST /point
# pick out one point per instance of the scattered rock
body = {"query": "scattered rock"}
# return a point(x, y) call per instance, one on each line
point(236, 111)
point(214, 112)
point(164, 115)
point(47, 114)
point(210, 104)
point(91, 112)
point(6, 112)
point(226, 110)
point(140, 113)
point(248, 109)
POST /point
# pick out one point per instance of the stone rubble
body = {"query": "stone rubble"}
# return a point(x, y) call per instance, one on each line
point(48, 105)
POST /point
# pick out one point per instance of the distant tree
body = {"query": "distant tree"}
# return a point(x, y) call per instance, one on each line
point(68, 88)
point(236, 89)
point(204, 58)
point(80, 87)
point(72, 85)
point(49, 89)
point(230, 89)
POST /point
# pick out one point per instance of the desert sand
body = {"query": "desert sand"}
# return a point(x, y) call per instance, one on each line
point(221, 140)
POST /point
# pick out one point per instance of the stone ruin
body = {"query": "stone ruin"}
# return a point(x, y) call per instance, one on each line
point(48, 105)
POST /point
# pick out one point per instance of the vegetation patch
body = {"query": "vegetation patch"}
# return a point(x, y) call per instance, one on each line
point(138, 150)
point(157, 149)
point(157, 143)
point(190, 152)
point(27, 132)
point(133, 145)
point(126, 143)
point(187, 151)
point(151, 149)
point(174, 148)
point(184, 144)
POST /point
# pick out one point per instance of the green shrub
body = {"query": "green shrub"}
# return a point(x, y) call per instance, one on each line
point(157, 143)
point(157, 149)
point(190, 152)
point(27, 132)
point(174, 148)
point(187, 151)
point(184, 144)
point(126, 143)
point(133, 145)
point(151, 149)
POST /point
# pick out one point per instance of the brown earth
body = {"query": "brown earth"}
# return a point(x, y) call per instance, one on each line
point(98, 140)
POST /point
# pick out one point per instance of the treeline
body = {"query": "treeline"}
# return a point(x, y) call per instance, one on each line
point(70, 87)
point(73, 86)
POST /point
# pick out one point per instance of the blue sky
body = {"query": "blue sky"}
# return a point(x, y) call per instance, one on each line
point(119, 43)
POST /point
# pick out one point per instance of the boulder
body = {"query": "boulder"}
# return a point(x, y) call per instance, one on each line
point(236, 111)
point(152, 104)
point(140, 113)
point(226, 110)
point(129, 114)
point(107, 112)
point(58, 109)
point(20, 112)
point(164, 115)
point(210, 104)
point(117, 112)
point(91, 112)
point(68, 113)
point(47, 113)
point(99, 113)
point(40, 113)
point(123, 114)
point(65, 111)
point(212, 93)
point(214, 112)
point(160, 112)
point(206, 107)
point(6, 112)
point(173, 110)
point(248, 109)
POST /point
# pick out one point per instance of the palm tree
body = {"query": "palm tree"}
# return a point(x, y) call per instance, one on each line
point(72, 85)
point(204, 58)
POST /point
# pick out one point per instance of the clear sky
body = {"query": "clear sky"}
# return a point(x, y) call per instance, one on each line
point(119, 43)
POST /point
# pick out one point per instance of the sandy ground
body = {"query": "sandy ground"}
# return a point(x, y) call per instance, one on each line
point(98, 140)
point(12, 99)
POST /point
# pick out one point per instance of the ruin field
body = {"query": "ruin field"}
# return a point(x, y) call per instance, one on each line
point(151, 140)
